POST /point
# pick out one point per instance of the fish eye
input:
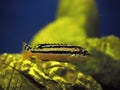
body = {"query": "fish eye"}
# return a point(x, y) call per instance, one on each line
point(82, 51)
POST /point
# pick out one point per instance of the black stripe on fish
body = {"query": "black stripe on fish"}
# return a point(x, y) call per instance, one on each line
point(80, 52)
point(57, 52)
point(40, 46)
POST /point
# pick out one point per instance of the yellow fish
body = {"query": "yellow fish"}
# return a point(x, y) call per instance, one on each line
point(56, 52)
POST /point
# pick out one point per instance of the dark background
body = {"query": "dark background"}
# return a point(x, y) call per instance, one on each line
point(21, 19)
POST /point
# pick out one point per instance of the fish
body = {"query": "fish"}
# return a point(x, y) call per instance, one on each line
point(56, 52)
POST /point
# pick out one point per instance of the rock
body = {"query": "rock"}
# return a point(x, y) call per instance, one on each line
point(33, 74)
point(104, 65)
point(84, 13)
point(10, 78)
